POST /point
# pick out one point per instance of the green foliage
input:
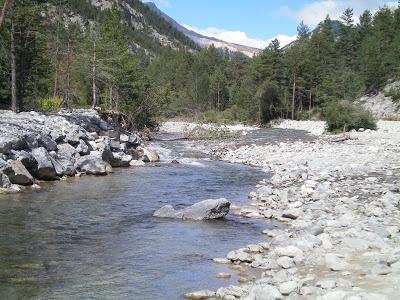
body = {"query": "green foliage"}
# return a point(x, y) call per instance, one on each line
point(345, 116)
point(51, 104)
point(137, 76)
point(201, 133)
point(394, 92)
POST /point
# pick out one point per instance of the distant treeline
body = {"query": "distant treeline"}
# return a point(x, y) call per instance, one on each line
point(47, 62)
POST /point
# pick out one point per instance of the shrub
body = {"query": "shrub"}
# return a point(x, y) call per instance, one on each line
point(346, 116)
point(201, 133)
point(394, 92)
point(51, 104)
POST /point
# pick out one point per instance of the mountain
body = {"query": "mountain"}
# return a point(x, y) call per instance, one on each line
point(202, 40)
point(148, 33)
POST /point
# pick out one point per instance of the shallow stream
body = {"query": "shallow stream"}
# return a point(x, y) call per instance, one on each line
point(96, 238)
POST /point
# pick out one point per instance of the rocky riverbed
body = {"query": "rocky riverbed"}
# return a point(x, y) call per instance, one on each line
point(339, 198)
point(38, 147)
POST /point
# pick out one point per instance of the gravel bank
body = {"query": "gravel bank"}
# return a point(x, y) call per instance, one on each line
point(340, 200)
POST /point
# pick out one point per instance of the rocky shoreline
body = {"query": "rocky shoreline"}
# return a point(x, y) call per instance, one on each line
point(37, 147)
point(339, 199)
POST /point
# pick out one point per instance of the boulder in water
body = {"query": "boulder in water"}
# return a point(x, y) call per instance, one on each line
point(45, 168)
point(18, 174)
point(204, 210)
point(92, 165)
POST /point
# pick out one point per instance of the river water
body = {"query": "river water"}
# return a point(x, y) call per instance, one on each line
point(95, 237)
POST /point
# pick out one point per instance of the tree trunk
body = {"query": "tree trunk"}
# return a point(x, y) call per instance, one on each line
point(55, 89)
point(3, 11)
point(293, 96)
point(94, 104)
point(13, 69)
point(218, 103)
point(68, 75)
point(309, 107)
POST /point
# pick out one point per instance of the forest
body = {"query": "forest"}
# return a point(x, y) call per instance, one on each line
point(48, 62)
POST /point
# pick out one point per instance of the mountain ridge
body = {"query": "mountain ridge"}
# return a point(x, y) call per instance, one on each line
point(202, 40)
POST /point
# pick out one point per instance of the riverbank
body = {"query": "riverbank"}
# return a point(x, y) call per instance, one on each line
point(339, 197)
point(37, 147)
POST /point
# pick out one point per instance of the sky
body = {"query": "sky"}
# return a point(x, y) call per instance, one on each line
point(256, 22)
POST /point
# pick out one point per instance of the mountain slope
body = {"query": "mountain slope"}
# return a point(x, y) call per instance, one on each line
point(202, 40)
point(148, 33)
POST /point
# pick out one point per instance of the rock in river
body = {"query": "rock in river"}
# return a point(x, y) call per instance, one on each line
point(204, 210)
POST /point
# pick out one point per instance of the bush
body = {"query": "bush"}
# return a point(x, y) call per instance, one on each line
point(201, 133)
point(394, 92)
point(51, 104)
point(346, 116)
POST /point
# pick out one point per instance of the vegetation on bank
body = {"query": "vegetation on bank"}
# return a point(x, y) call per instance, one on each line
point(43, 55)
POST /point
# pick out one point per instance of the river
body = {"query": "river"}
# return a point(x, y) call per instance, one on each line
point(95, 237)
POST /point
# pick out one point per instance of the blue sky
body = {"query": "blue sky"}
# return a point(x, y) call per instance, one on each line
point(256, 22)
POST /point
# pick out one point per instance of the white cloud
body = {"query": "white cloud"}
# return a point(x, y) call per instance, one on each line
point(314, 12)
point(240, 37)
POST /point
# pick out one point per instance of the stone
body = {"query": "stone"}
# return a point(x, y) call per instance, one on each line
point(66, 151)
point(115, 145)
point(204, 210)
point(11, 142)
point(263, 292)
point(26, 159)
point(150, 156)
point(45, 168)
point(204, 294)
point(18, 174)
point(291, 213)
point(290, 251)
point(221, 260)
point(231, 291)
point(334, 295)
point(47, 143)
point(240, 255)
point(137, 163)
point(83, 148)
point(4, 180)
point(288, 287)
point(333, 262)
point(326, 284)
point(68, 167)
point(130, 140)
point(224, 275)
point(92, 165)
point(120, 159)
point(285, 262)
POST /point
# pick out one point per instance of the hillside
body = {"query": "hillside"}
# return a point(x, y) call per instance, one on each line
point(148, 33)
point(205, 41)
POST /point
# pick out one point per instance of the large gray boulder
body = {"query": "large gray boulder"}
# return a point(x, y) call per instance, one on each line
point(204, 210)
point(66, 151)
point(92, 165)
point(26, 158)
point(45, 168)
point(130, 139)
point(8, 141)
point(149, 155)
point(18, 174)
point(120, 159)
point(4, 180)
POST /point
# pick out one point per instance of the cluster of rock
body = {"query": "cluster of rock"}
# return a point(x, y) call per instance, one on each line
point(341, 206)
point(34, 146)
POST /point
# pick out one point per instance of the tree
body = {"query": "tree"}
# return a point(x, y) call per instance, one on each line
point(6, 4)
point(303, 31)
